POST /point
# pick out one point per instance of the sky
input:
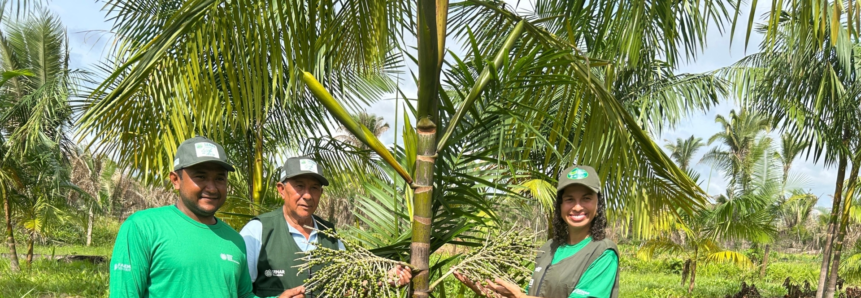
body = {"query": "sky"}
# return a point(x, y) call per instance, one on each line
point(90, 40)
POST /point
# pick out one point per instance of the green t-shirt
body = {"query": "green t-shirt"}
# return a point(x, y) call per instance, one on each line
point(161, 252)
point(598, 279)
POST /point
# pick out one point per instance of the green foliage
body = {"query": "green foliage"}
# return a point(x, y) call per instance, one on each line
point(659, 277)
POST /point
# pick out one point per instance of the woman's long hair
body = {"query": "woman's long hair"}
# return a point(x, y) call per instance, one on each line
point(560, 227)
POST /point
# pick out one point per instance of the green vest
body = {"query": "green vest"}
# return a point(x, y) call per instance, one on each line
point(559, 280)
point(279, 255)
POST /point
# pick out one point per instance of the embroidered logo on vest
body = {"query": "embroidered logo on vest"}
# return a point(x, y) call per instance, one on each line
point(271, 273)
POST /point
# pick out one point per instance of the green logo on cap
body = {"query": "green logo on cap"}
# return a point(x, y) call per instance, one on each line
point(577, 174)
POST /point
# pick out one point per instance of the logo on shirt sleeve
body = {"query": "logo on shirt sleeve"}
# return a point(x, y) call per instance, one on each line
point(580, 292)
point(228, 258)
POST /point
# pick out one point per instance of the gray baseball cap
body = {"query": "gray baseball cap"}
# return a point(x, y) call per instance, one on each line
point(583, 175)
point(302, 165)
point(199, 150)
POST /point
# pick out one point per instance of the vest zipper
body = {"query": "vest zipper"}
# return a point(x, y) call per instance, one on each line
point(541, 281)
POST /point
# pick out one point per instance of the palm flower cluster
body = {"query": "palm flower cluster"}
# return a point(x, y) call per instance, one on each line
point(506, 256)
point(353, 272)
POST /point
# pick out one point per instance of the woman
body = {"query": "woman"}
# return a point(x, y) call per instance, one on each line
point(579, 261)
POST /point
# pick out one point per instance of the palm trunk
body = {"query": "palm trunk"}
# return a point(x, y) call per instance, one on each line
point(256, 168)
point(30, 249)
point(90, 226)
point(332, 211)
point(844, 222)
point(765, 260)
point(832, 223)
point(10, 237)
point(422, 218)
point(432, 16)
point(693, 274)
point(686, 270)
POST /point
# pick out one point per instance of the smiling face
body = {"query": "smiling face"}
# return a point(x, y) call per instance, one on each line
point(579, 207)
point(301, 195)
point(202, 190)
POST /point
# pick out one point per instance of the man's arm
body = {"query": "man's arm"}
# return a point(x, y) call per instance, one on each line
point(130, 262)
point(252, 233)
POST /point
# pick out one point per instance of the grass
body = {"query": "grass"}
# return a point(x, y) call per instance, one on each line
point(62, 250)
point(47, 278)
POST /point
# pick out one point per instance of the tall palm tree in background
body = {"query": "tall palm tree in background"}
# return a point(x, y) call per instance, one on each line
point(374, 123)
point(35, 113)
point(804, 78)
point(790, 148)
point(798, 210)
point(683, 151)
point(94, 177)
point(795, 213)
point(743, 146)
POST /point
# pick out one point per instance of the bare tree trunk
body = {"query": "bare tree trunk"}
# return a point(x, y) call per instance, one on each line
point(90, 226)
point(10, 237)
point(832, 224)
point(765, 260)
point(844, 222)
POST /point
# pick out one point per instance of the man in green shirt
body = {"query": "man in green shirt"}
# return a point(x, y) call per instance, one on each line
point(183, 250)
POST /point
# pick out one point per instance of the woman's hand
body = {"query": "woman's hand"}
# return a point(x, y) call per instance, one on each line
point(478, 289)
point(506, 289)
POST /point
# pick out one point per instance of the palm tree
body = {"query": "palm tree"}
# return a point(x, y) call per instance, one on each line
point(374, 123)
point(804, 78)
point(802, 204)
point(41, 201)
point(246, 81)
point(741, 137)
point(36, 112)
point(683, 151)
point(795, 212)
point(245, 90)
point(94, 176)
point(790, 147)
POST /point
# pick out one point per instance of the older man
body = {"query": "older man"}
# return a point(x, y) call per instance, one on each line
point(273, 239)
point(183, 250)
